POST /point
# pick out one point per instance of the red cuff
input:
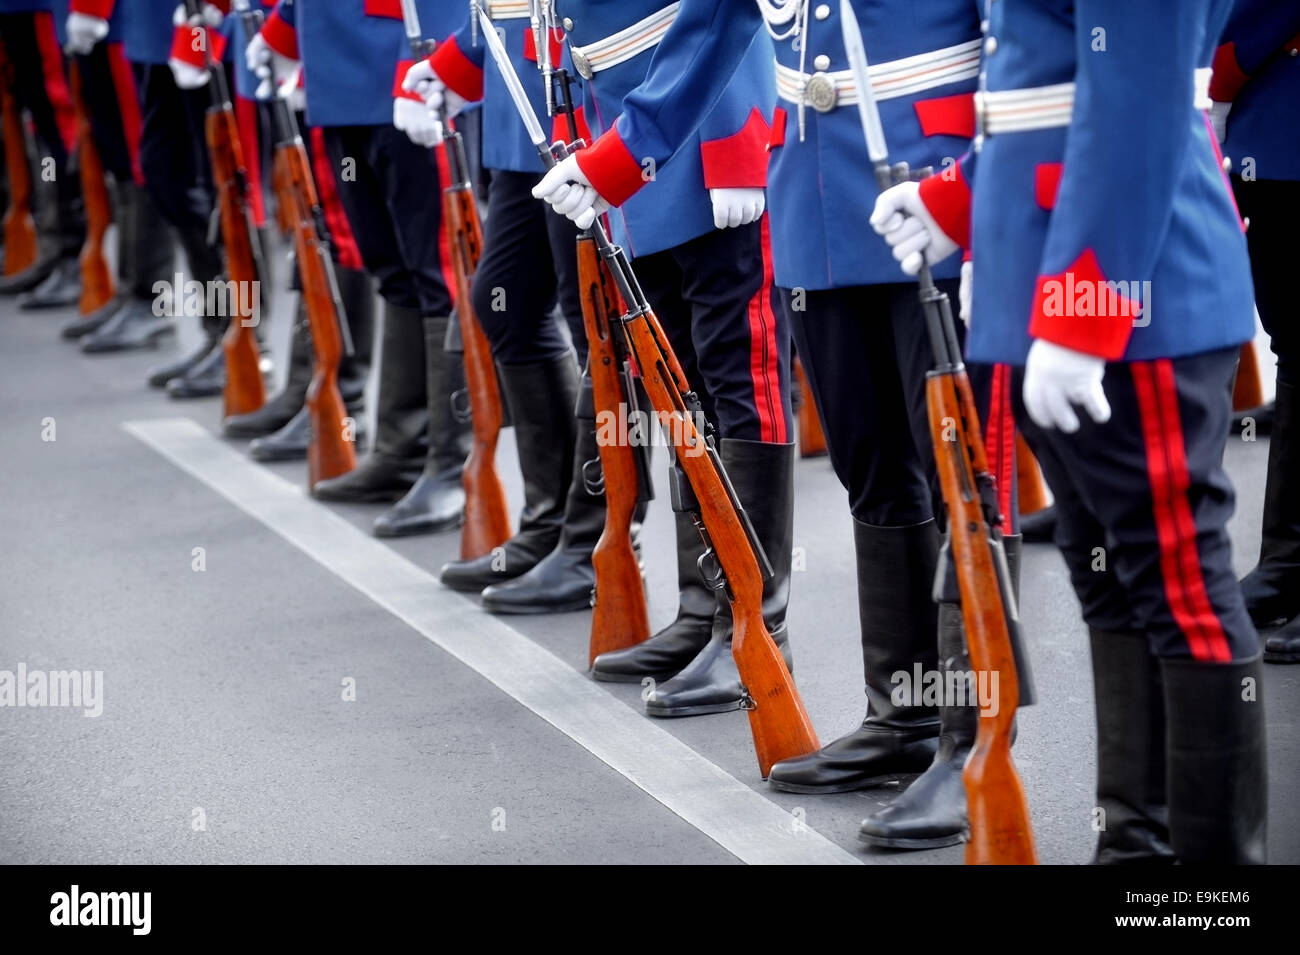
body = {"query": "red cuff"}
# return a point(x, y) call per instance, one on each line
point(946, 197)
point(280, 36)
point(184, 40)
point(1078, 309)
point(560, 127)
point(947, 115)
point(738, 161)
point(530, 47)
point(398, 92)
point(458, 71)
point(611, 168)
point(1228, 77)
point(388, 9)
point(93, 8)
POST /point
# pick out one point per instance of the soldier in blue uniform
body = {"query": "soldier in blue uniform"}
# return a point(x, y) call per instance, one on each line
point(859, 333)
point(699, 239)
point(1111, 271)
point(528, 265)
point(29, 31)
point(94, 29)
point(1256, 94)
point(390, 189)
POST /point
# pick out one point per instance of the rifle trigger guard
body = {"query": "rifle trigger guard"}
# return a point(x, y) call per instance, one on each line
point(594, 485)
point(461, 409)
point(711, 570)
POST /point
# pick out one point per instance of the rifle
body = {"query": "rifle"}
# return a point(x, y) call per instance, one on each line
point(812, 439)
point(22, 246)
point(97, 287)
point(330, 451)
point(1001, 833)
point(487, 517)
point(244, 391)
point(733, 561)
point(619, 617)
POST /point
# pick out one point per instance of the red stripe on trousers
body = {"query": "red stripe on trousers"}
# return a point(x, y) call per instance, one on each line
point(128, 106)
point(56, 83)
point(336, 220)
point(444, 245)
point(1180, 562)
point(764, 358)
point(251, 142)
point(1000, 441)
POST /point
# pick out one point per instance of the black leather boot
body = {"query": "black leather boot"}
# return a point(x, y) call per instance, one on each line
point(1283, 646)
point(931, 812)
point(1272, 589)
point(1216, 762)
point(665, 654)
point(288, 443)
point(132, 326)
point(436, 501)
point(1040, 526)
point(206, 378)
point(285, 404)
point(541, 397)
point(205, 266)
point(563, 580)
point(898, 619)
point(396, 458)
point(30, 277)
point(59, 289)
point(1133, 824)
point(357, 293)
point(763, 476)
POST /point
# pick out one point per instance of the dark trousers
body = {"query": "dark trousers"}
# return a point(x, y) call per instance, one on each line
point(113, 105)
point(173, 148)
point(1143, 504)
point(528, 266)
point(715, 299)
point(866, 354)
point(391, 191)
point(1273, 206)
point(41, 88)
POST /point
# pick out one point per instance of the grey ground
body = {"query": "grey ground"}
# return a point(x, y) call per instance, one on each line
point(223, 688)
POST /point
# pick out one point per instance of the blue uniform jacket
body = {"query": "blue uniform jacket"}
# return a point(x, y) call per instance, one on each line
point(460, 62)
point(349, 52)
point(1257, 69)
point(722, 147)
point(1115, 232)
point(821, 188)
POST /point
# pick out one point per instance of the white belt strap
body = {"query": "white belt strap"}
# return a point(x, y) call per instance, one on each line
point(509, 9)
point(1046, 107)
point(625, 44)
point(889, 80)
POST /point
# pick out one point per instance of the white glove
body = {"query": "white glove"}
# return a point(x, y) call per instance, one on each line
point(736, 207)
point(84, 32)
point(1057, 378)
point(570, 193)
point(209, 15)
point(264, 62)
point(1219, 119)
point(188, 77)
point(966, 291)
point(906, 224)
point(438, 97)
point(414, 119)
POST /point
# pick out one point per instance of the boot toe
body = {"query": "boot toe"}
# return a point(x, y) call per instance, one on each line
point(561, 583)
point(929, 814)
point(1284, 645)
point(432, 504)
point(865, 758)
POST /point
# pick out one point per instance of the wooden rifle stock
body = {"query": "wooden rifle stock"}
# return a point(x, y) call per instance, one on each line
point(487, 516)
point(1248, 388)
point(331, 450)
point(812, 440)
point(778, 721)
point(245, 391)
point(1030, 487)
point(1001, 833)
point(619, 617)
point(21, 243)
point(97, 287)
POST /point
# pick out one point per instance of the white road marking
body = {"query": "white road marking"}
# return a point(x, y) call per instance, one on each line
point(742, 821)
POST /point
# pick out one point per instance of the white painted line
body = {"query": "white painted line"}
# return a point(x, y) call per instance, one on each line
point(742, 821)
